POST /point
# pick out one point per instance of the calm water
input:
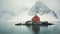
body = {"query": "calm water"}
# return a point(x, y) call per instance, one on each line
point(11, 28)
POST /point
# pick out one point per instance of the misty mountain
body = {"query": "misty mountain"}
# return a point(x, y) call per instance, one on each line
point(20, 14)
point(6, 15)
point(42, 9)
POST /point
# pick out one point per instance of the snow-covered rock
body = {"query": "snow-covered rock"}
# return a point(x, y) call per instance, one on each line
point(42, 9)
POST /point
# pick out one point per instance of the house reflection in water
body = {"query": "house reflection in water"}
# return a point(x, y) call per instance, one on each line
point(36, 28)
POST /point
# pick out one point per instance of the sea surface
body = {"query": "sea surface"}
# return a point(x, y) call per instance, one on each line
point(11, 28)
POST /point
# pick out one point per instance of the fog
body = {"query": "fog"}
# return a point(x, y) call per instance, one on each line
point(14, 10)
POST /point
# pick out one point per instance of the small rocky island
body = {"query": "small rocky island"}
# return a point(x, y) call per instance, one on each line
point(35, 21)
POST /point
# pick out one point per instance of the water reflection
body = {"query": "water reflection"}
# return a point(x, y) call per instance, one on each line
point(36, 28)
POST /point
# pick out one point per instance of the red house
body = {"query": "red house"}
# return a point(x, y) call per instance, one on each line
point(36, 18)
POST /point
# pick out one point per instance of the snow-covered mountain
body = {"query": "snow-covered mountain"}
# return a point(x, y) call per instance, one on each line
point(42, 9)
point(25, 13)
